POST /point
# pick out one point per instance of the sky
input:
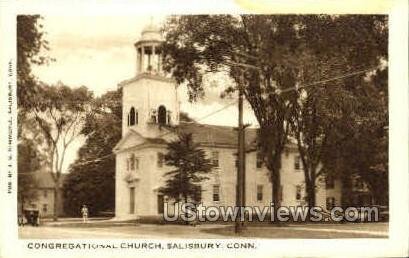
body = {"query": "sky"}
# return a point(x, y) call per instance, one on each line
point(98, 52)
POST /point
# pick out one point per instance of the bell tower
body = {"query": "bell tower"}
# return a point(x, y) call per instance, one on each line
point(149, 99)
point(148, 54)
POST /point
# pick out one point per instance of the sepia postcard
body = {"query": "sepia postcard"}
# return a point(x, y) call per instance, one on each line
point(204, 128)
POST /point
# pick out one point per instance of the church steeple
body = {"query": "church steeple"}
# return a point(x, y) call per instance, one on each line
point(150, 101)
point(149, 57)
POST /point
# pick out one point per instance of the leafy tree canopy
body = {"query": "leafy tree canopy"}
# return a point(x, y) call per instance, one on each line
point(91, 179)
point(270, 55)
point(30, 44)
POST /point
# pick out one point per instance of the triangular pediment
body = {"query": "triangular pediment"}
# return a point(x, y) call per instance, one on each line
point(133, 138)
point(130, 139)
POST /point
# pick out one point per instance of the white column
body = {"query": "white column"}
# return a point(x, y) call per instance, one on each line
point(152, 59)
point(158, 56)
point(142, 58)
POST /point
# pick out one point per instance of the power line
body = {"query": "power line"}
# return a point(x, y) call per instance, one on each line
point(234, 102)
point(279, 91)
point(159, 136)
point(217, 111)
point(327, 80)
point(93, 161)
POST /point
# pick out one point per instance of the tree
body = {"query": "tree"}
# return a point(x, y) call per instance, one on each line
point(315, 111)
point(60, 113)
point(190, 166)
point(91, 179)
point(268, 56)
point(359, 146)
point(257, 52)
point(30, 44)
point(320, 111)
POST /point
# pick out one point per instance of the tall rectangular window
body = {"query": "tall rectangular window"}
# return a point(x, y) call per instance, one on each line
point(132, 163)
point(297, 162)
point(161, 158)
point(45, 193)
point(45, 208)
point(132, 200)
point(259, 192)
point(215, 158)
point(216, 193)
point(298, 192)
point(259, 159)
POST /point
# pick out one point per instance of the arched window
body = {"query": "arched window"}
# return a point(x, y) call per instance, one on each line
point(162, 116)
point(132, 116)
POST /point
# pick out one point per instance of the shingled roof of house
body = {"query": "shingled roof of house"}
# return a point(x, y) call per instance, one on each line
point(45, 179)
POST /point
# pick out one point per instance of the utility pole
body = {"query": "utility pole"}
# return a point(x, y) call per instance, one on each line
point(241, 166)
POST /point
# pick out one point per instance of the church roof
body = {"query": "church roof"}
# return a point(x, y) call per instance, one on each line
point(145, 76)
point(216, 135)
point(203, 134)
point(151, 28)
point(150, 32)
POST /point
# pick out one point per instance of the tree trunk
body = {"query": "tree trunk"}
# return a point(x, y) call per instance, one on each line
point(276, 198)
point(311, 195)
point(276, 189)
point(310, 185)
point(56, 198)
point(185, 199)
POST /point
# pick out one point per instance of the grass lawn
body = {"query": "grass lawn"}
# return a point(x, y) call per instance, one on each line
point(226, 230)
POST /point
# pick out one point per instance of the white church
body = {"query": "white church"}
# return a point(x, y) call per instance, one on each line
point(151, 119)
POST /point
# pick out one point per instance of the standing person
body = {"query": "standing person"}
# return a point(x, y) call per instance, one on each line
point(21, 220)
point(84, 212)
point(31, 217)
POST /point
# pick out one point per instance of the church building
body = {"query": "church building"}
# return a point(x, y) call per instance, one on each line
point(151, 118)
